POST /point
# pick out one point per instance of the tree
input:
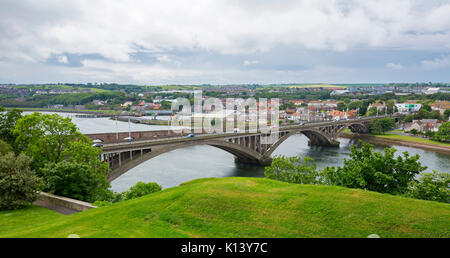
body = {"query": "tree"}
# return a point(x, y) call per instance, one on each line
point(381, 125)
point(44, 137)
point(375, 171)
point(391, 108)
point(447, 114)
point(443, 133)
point(8, 121)
point(373, 111)
point(73, 180)
point(341, 106)
point(18, 183)
point(355, 105)
point(293, 170)
point(431, 186)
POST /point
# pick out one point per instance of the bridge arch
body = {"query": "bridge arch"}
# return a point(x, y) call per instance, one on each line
point(242, 153)
point(358, 127)
point(315, 136)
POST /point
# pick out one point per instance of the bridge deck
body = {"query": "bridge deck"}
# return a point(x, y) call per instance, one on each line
point(110, 148)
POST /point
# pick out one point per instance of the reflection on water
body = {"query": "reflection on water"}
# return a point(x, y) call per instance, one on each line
point(190, 163)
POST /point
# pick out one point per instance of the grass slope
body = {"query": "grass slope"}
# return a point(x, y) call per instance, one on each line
point(242, 207)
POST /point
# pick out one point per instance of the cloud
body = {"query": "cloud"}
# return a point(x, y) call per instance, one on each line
point(250, 62)
point(62, 59)
point(436, 63)
point(120, 31)
point(394, 66)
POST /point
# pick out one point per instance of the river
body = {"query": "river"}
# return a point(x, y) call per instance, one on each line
point(176, 167)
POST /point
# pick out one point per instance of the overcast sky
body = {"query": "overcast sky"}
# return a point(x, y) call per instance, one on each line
point(224, 42)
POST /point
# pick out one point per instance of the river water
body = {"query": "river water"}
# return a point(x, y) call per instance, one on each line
point(178, 166)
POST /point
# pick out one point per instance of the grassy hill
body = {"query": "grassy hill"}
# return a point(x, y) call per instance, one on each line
point(242, 207)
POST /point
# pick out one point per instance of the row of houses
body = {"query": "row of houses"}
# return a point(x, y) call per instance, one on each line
point(423, 125)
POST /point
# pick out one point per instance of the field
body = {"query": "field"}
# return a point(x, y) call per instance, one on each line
point(242, 207)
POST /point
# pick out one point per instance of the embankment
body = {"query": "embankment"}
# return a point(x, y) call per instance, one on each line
point(387, 141)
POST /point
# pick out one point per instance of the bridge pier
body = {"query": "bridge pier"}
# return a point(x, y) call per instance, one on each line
point(261, 162)
point(331, 143)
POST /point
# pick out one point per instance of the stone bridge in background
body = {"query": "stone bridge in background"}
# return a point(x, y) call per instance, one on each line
point(246, 147)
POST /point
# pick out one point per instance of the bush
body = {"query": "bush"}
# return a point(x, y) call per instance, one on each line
point(443, 134)
point(73, 180)
point(293, 170)
point(5, 148)
point(375, 171)
point(141, 189)
point(18, 184)
point(431, 186)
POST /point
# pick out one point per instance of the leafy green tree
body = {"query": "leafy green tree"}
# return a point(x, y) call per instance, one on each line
point(73, 180)
point(431, 186)
point(381, 125)
point(426, 107)
point(341, 106)
point(391, 108)
point(141, 189)
point(375, 171)
point(373, 111)
point(44, 137)
point(18, 183)
point(447, 114)
point(443, 134)
point(8, 121)
point(293, 170)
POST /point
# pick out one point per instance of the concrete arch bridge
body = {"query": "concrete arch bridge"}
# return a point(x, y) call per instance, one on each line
point(246, 147)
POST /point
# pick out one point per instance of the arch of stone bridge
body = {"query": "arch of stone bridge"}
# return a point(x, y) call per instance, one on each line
point(358, 128)
point(242, 153)
point(315, 136)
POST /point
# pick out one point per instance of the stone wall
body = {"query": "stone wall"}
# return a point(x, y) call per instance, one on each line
point(65, 202)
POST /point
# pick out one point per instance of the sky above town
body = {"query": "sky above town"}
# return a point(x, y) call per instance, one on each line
point(224, 42)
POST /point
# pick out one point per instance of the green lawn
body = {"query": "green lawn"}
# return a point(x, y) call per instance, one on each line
point(411, 138)
point(242, 207)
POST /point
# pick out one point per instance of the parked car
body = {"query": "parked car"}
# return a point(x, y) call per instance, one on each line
point(98, 145)
point(191, 135)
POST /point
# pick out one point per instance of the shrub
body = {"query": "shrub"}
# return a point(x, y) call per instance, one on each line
point(375, 171)
point(141, 189)
point(4, 148)
point(73, 180)
point(293, 170)
point(431, 186)
point(18, 184)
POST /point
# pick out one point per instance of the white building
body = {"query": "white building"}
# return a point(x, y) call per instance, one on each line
point(408, 107)
point(430, 91)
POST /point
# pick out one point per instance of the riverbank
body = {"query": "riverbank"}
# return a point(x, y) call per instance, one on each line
point(241, 207)
point(382, 139)
point(140, 120)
